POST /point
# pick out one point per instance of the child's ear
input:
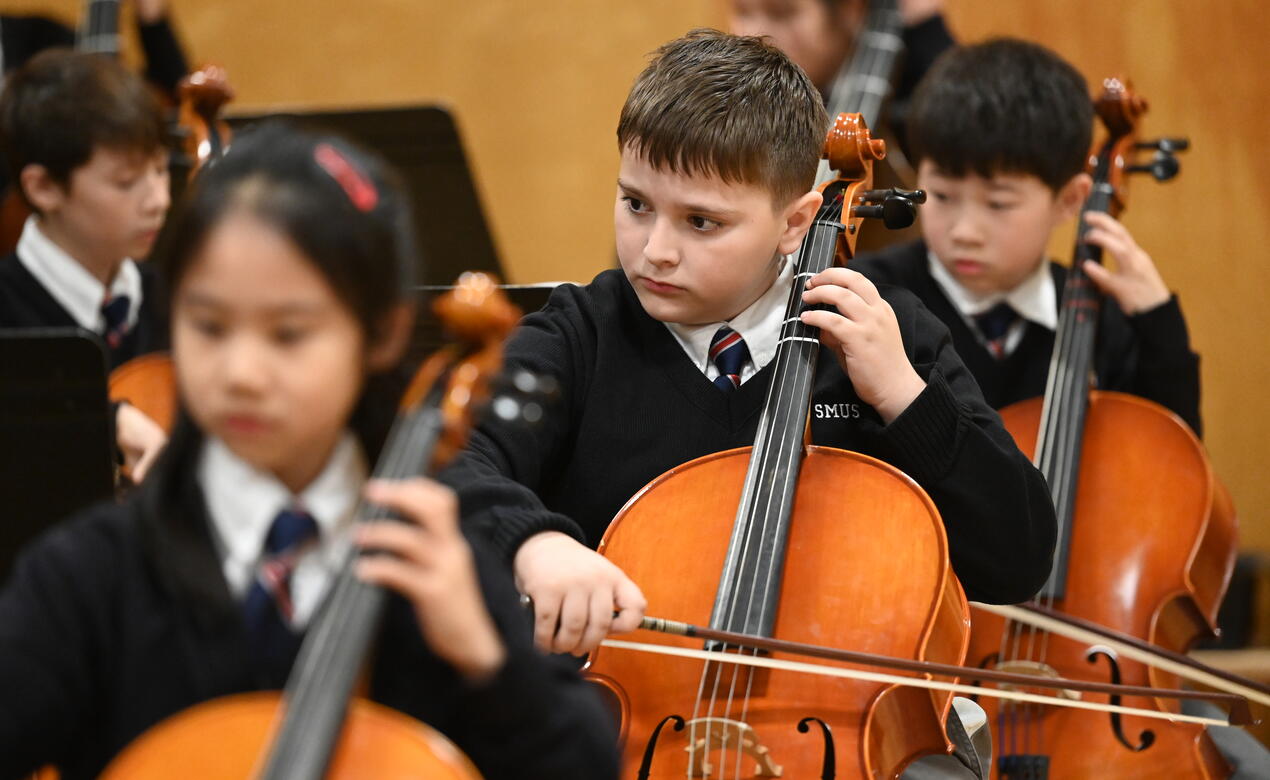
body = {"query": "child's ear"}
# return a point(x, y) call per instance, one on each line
point(389, 344)
point(798, 218)
point(43, 192)
point(1071, 196)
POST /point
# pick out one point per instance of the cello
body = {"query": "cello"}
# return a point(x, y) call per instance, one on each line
point(1120, 469)
point(861, 86)
point(314, 726)
point(798, 542)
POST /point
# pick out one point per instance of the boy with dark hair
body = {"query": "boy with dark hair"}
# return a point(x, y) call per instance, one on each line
point(1001, 133)
point(85, 139)
point(719, 141)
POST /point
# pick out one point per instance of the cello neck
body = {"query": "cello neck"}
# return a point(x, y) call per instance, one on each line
point(756, 551)
point(1058, 444)
point(330, 659)
point(864, 82)
point(99, 30)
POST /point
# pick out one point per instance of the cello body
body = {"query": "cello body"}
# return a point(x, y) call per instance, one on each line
point(376, 742)
point(1152, 549)
point(858, 576)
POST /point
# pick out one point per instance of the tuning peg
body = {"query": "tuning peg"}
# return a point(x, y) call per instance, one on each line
point(881, 196)
point(1166, 145)
point(896, 212)
point(1162, 167)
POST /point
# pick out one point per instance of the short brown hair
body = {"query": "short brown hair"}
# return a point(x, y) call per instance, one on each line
point(59, 107)
point(728, 105)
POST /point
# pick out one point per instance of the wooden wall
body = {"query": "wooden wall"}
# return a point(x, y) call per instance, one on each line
point(537, 88)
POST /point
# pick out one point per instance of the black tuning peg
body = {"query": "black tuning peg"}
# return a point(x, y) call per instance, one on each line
point(1162, 167)
point(881, 196)
point(895, 213)
point(1166, 145)
point(897, 208)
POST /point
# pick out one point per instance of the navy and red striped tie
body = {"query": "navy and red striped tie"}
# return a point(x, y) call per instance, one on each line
point(728, 353)
point(995, 325)
point(115, 311)
point(268, 609)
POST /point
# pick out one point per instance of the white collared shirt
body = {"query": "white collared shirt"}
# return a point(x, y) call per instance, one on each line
point(243, 501)
point(759, 325)
point(1035, 299)
point(71, 285)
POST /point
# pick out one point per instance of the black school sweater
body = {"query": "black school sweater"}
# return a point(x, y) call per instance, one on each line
point(1148, 354)
point(121, 617)
point(25, 303)
point(633, 405)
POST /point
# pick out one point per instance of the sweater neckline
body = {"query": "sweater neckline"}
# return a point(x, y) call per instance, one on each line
point(731, 410)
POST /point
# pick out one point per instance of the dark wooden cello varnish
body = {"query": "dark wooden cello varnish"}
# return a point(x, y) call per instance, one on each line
point(798, 542)
point(315, 728)
point(1146, 533)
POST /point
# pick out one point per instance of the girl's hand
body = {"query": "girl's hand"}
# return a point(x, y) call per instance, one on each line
point(429, 562)
point(1135, 283)
point(139, 438)
point(865, 336)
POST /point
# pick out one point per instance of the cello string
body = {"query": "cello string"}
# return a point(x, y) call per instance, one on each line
point(745, 515)
point(779, 392)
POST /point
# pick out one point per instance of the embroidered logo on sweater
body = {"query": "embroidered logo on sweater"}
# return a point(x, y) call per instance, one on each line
point(836, 411)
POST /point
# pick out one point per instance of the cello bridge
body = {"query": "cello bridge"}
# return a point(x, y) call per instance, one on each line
point(711, 734)
point(1034, 669)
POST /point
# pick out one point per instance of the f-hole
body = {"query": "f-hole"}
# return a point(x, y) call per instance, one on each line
point(827, 771)
point(1147, 736)
point(646, 765)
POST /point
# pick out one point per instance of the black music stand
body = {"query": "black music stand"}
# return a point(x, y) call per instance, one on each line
point(422, 143)
point(56, 453)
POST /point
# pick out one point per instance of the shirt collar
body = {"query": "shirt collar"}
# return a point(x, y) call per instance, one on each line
point(1035, 298)
point(242, 501)
point(70, 284)
point(759, 325)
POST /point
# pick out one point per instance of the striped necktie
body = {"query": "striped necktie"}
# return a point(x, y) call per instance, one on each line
point(995, 325)
point(268, 609)
point(115, 311)
point(728, 353)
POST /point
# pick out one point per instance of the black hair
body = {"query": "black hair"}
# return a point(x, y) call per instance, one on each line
point(1003, 106)
point(343, 207)
point(62, 105)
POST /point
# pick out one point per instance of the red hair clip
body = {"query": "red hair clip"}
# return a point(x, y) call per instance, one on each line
point(356, 185)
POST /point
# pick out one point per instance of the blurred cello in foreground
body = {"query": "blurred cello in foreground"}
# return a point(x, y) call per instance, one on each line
point(1146, 531)
point(783, 539)
point(316, 728)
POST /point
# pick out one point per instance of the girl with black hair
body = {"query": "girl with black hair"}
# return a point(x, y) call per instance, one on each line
point(288, 267)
